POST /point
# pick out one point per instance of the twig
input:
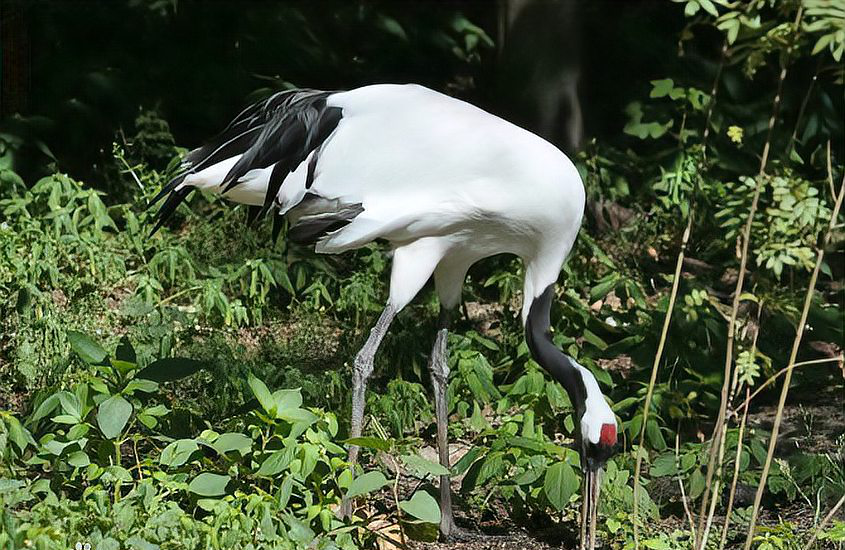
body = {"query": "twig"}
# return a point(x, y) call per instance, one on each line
point(799, 333)
point(673, 295)
point(684, 498)
point(824, 522)
point(657, 357)
point(735, 478)
point(715, 444)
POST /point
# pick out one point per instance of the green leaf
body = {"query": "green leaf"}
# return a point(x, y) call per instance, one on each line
point(709, 7)
point(71, 404)
point(655, 436)
point(265, 398)
point(44, 409)
point(375, 443)
point(367, 483)
point(664, 465)
point(287, 399)
point(423, 467)
point(170, 368)
point(112, 415)
point(209, 485)
point(467, 460)
point(276, 462)
point(560, 484)
point(232, 441)
point(422, 506)
point(139, 384)
point(86, 348)
point(178, 452)
point(78, 459)
point(661, 88)
point(696, 484)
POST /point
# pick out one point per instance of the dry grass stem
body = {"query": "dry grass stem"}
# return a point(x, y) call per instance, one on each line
point(715, 444)
point(808, 300)
point(654, 368)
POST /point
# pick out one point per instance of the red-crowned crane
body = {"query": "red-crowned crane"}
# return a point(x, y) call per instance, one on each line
point(446, 184)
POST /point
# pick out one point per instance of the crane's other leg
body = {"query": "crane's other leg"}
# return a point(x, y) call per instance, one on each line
point(413, 264)
point(449, 279)
point(439, 368)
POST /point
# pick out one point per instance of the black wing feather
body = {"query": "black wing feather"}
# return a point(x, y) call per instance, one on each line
point(280, 131)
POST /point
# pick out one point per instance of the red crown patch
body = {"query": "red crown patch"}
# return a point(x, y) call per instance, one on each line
point(608, 435)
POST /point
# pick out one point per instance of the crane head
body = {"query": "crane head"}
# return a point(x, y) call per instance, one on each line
point(594, 455)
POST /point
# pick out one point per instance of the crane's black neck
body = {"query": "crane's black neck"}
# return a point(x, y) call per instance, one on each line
point(543, 350)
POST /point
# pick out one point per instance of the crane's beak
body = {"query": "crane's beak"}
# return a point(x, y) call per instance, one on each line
point(590, 507)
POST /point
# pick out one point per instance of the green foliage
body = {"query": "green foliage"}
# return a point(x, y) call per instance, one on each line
point(102, 448)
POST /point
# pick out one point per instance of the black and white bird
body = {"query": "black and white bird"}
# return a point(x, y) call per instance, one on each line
point(446, 184)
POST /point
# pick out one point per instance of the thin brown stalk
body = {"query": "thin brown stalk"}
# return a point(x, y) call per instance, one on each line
point(829, 515)
point(735, 478)
point(799, 333)
point(684, 498)
point(657, 357)
point(673, 295)
point(715, 444)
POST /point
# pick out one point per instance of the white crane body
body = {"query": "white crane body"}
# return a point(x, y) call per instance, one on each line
point(444, 182)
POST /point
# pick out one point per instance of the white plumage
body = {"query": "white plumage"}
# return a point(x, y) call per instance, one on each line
point(444, 182)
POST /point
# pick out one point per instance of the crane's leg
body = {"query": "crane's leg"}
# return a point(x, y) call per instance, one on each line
point(413, 264)
point(439, 369)
point(448, 279)
point(361, 371)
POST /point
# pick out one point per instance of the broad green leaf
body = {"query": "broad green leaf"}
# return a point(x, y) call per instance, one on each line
point(209, 485)
point(45, 408)
point(297, 416)
point(664, 465)
point(78, 459)
point(287, 399)
point(177, 452)
point(86, 348)
point(265, 398)
point(232, 441)
point(170, 368)
point(526, 443)
point(276, 462)
point(112, 415)
point(367, 483)
point(696, 484)
point(422, 506)
point(70, 404)
point(463, 464)
point(422, 466)
point(560, 484)
point(661, 88)
point(140, 384)
point(19, 435)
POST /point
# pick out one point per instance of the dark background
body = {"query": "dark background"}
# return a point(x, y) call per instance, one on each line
point(76, 74)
